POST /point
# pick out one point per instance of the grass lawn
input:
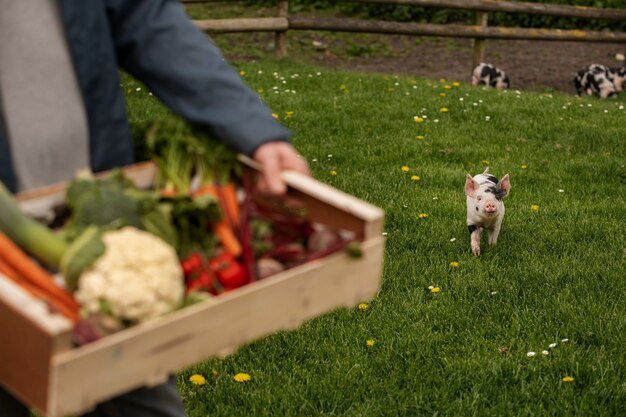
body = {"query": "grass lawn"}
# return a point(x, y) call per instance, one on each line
point(555, 282)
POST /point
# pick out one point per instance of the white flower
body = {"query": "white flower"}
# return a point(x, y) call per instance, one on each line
point(564, 340)
point(530, 354)
point(561, 190)
point(545, 353)
point(552, 345)
point(453, 239)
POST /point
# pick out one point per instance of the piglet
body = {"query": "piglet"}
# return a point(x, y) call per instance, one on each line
point(485, 209)
point(487, 74)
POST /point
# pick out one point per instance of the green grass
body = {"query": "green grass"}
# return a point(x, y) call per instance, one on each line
point(557, 273)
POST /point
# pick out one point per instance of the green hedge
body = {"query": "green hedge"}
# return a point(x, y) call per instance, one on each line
point(439, 15)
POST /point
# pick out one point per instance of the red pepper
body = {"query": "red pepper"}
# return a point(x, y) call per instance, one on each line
point(203, 282)
point(228, 271)
point(191, 264)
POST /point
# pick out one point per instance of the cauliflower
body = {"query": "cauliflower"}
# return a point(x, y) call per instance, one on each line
point(138, 277)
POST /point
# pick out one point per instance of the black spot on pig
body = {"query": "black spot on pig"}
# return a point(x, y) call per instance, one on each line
point(472, 227)
point(498, 192)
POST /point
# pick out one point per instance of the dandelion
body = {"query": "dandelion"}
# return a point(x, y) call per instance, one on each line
point(418, 119)
point(442, 94)
point(534, 207)
point(333, 173)
point(343, 88)
point(443, 110)
point(363, 306)
point(241, 377)
point(531, 354)
point(568, 379)
point(454, 264)
point(442, 80)
point(523, 166)
point(435, 290)
point(415, 178)
point(197, 379)
point(242, 73)
point(275, 116)
point(486, 161)
point(288, 114)
point(419, 137)
point(405, 168)
point(215, 374)
point(447, 87)
point(370, 343)
point(422, 215)
point(456, 84)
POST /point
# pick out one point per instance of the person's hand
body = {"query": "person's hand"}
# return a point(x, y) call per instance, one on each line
point(275, 157)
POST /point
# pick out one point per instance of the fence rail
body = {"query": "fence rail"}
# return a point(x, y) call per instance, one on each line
point(479, 32)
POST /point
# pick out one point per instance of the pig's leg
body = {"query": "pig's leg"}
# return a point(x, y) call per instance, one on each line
point(493, 233)
point(475, 240)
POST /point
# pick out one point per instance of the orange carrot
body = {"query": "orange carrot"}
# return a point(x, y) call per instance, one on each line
point(228, 194)
point(32, 272)
point(224, 229)
point(227, 237)
point(10, 273)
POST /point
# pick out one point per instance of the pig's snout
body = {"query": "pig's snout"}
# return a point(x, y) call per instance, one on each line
point(491, 207)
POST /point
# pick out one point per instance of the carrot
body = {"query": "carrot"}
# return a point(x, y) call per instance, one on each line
point(227, 237)
point(224, 229)
point(10, 273)
point(33, 273)
point(228, 194)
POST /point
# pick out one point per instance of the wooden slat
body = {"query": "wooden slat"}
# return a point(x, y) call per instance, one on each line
point(149, 352)
point(29, 336)
point(459, 31)
point(512, 7)
point(261, 24)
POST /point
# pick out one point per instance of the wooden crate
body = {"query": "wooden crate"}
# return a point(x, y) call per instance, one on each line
point(39, 365)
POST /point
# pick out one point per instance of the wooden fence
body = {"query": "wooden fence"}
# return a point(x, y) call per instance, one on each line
point(480, 32)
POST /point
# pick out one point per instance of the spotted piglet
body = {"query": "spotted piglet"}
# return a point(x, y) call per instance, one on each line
point(485, 209)
point(490, 76)
point(599, 80)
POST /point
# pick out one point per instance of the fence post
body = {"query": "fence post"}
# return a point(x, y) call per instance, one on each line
point(479, 43)
point(280, 38)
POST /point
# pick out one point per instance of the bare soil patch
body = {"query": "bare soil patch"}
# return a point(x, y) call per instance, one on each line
point(531, 65)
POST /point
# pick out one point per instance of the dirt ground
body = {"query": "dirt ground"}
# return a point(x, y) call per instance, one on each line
point(531, 65)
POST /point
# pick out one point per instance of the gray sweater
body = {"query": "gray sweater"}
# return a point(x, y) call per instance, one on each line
point(154, 41)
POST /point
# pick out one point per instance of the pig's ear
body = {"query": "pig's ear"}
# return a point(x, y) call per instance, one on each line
point(470, 185)
point(505, 184)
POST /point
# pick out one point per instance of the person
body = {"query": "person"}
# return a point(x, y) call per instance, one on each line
point(56, 116)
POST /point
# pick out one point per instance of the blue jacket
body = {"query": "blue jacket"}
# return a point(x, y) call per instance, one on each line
point(154, 41)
